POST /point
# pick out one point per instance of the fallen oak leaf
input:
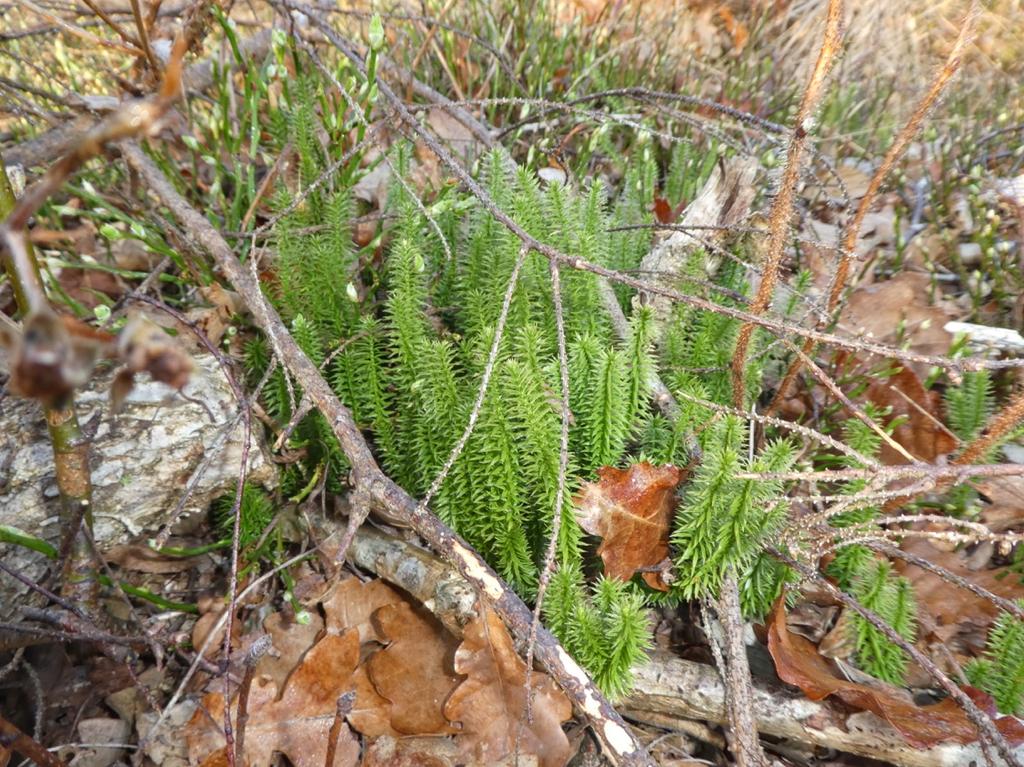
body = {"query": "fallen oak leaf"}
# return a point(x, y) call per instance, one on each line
point(631, 510)
point(491, 702)
point(371, 714)
point(798, 662)
point(296, 725)
point(962, 618)
point(898, 310)
point(352, 603)
point(291, 639)
point(921, 432)
point(413, 672)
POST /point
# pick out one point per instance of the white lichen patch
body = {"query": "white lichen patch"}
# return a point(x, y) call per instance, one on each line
point(476, 571)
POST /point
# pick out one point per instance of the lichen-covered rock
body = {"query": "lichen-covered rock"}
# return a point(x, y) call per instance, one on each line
point(145, 460)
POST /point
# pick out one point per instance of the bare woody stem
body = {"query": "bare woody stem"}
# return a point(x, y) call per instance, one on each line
point(13, 738)
point(778, 220)
point(70, 447)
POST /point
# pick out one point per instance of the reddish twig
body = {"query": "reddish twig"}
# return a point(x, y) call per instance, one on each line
point(778, 219)
point(344, 707)
point(998, 427)
point(13, 738)
point(252, 657)
point(852, 230)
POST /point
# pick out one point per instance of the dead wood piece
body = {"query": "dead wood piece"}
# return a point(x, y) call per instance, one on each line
point(439, 587)
point(724, 201)
point(736, 673)
point(668, 686)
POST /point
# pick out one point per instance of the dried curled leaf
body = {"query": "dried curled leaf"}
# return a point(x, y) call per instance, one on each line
point(145, 347)
point(491, 702)
point(52, 355)
point(798, 662)
point(631, 511)
point(298, 724)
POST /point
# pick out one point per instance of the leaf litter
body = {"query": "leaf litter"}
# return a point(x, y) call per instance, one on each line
point(798, 662)
point(410, 676)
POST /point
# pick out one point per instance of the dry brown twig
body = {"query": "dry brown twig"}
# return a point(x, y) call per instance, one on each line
point(852, 230)
point(778, 218)
point(13, 738)
point(51, 356)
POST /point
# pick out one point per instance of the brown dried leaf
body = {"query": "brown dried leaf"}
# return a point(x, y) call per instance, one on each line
point(665, 212)
point(798, 662)
point(218, 758)
point(144, 346)
point(214, 320)
point(371, 713)
point(961, 618)
point(491, 703)
point(298, 724)
point(52, 355)
point(631, 511)
point(455, 134)
point(86, 286)
point(878, 310)
point(351, 603)
point(922, 432)
point(291, 641)
point(413, 673)
point(389, 751)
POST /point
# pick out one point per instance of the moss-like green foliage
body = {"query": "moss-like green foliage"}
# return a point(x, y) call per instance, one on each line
point(1000, 671)
point(606, 630)
point(256, 512)
point(969, 405)
point(891, 597)
point(723, 521)
point(405, 345)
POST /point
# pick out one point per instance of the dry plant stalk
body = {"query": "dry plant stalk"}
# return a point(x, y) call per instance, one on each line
point(14, 739)
point(912, 127)
point(778, 220)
